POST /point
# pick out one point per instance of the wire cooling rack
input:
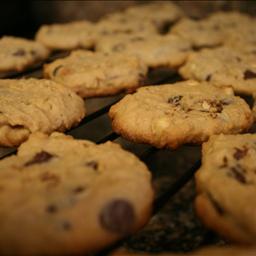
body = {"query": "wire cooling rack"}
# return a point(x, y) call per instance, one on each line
point(174, 225)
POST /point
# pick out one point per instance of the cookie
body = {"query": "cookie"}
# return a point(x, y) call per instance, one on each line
point(226, 186)
point(155, 50)
point(162, 14)
point(174, 114)
point(30, 105)
point(71, 197)
point(18, 54)
point(66, 36)
point(123, 23)
point(208, 251)
point(97, 74)
point(222, 66)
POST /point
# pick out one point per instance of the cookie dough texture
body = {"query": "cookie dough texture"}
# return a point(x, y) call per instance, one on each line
point(208, 251)
point(30, 105)
point(155, 50)
point(222, 66)
point(174, 114)
point(97, 74)
point(67, 36)
point(18, 54)
point(70, 197)
point(226, 186)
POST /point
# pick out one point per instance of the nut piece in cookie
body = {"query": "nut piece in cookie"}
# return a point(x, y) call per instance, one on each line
point(174, 114)
point(30, 105)
point(72, 197)
point(67, 36)
point(226, 186)
point(222, 67)
point(18, 54)
point(97, 74)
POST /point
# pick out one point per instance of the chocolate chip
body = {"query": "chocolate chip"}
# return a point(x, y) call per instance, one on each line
point(78, 189)
point(51, 208)
point(240, 153)
point(19, 52)
point(55, 71)
point(66, 225)
point(175, 100)
point(238, 173)
point(248, 74)
point(208, 78)
point(93, 164)
point(238, 59)
point(39, 158)
point(225, 162)
point(118, 216)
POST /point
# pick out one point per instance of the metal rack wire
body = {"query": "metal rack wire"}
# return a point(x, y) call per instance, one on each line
point(172, 173)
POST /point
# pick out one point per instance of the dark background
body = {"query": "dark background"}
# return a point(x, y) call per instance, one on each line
point(22, 18)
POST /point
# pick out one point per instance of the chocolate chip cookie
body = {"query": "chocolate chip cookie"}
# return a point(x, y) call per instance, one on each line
point(61, 196)
point(222, 66)
point(174, 114)
point(18, 54)
point(226, 186)
point(97, 74)
point(162, 14)
point(123, 23)
point(30, 105)
point(66, 36)
point(155, 50)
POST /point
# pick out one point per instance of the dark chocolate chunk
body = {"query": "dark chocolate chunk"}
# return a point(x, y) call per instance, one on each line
point(208, 78)
point(39, 158)
point(238, 173)
point(240, 153)
point(118, 216)
point(51, 208)
point(93, 164)
point(55, 71)
point(225, 162)
point(248, 74)
point(20, 52)
point(66, 225)
point(175, 100)
point(78, 189)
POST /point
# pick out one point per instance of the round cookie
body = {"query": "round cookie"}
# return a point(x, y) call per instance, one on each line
point(70, 197)
point(201, 33)
point(155, 50)
point(123, 23)
point(67, 36)
point(29, 105)
point(18, 54)
point(226, 186)
point(174, 114)
point(160, 13)
point(222, 67)
point(96, 74)
point(208, 251)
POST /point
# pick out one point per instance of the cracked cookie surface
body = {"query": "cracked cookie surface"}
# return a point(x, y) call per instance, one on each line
point(30, 105)
point(174, 114)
